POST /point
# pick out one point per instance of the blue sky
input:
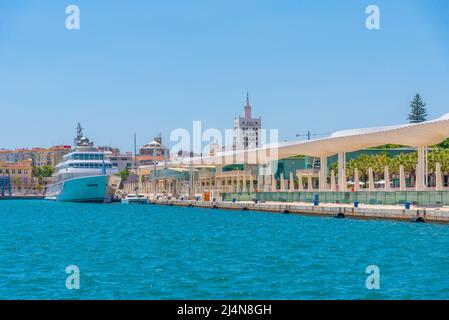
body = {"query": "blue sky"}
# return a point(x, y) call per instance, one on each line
point(154, 66)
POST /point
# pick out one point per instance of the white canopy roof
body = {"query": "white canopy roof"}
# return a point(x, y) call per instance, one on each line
point(414, 135)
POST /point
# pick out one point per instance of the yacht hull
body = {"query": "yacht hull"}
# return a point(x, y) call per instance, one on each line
point(82, 189)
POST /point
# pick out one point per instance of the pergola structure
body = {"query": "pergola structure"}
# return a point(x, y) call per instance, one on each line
point(419, 135)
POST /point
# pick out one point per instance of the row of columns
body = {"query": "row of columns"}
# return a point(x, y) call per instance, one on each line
point(167, 186)
point(419, 186)
point(268, 183)
point(421, 174)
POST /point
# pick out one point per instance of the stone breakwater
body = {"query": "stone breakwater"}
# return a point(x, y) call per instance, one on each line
point(414, 214)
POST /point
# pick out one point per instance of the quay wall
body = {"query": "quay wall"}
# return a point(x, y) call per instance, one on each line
point(440, 215)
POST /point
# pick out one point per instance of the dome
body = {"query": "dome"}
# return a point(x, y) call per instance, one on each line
point(152, 144)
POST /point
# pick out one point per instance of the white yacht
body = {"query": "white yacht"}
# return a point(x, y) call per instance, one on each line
point(84, 175)
point(135, 199)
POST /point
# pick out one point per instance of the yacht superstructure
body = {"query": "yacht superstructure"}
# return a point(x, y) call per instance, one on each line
point(84, 175)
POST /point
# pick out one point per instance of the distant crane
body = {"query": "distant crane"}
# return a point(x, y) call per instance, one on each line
point(316, 161)
point(309, 135)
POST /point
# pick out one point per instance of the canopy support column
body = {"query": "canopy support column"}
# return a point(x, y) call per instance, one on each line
point(323, 174)
point(356, 180)
point(300, 185)
point(342, 171)
point(291, 185)
point(273, 183)
point(259, 187)
point(420, 170)
point(333, 184)
point(438, 177)
point(402, 184)
point(387, 179)
point(282, 182)
point(371, 179)
point(309, 182)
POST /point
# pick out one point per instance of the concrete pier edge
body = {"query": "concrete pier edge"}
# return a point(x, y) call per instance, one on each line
point(440, 215)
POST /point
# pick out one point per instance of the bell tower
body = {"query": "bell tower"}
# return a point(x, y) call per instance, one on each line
point(247, 107)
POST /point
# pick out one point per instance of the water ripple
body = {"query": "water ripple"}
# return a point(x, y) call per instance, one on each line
point(152, 252)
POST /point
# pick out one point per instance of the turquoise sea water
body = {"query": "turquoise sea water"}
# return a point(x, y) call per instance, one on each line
point(156, 252)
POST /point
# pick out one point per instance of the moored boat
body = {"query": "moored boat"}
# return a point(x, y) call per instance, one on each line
point(135, 199)
point(84, 175)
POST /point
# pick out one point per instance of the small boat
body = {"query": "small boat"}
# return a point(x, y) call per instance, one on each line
point(135, 199)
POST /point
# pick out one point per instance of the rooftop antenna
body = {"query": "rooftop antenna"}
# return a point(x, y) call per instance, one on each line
point(79, 134)
point(79, 130)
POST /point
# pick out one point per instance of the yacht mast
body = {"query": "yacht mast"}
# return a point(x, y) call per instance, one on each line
point(136, 189)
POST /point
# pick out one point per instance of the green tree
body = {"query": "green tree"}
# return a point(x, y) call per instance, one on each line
point(43, 172)
point(46, 171)
point(123, 175)
point(444, 144)
point(418, 112)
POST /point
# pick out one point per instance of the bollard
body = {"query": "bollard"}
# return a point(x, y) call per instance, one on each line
point(340, 215)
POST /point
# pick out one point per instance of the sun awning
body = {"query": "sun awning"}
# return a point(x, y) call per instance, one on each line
point(414, 135)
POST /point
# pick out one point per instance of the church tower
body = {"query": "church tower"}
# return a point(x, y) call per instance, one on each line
point(247, 107)
point(247, 130)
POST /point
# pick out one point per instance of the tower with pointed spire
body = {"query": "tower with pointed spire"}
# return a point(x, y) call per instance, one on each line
point(247, 129)
point(247, 107)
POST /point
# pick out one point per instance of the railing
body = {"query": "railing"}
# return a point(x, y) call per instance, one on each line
point(67, 176)
point(366, 197)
